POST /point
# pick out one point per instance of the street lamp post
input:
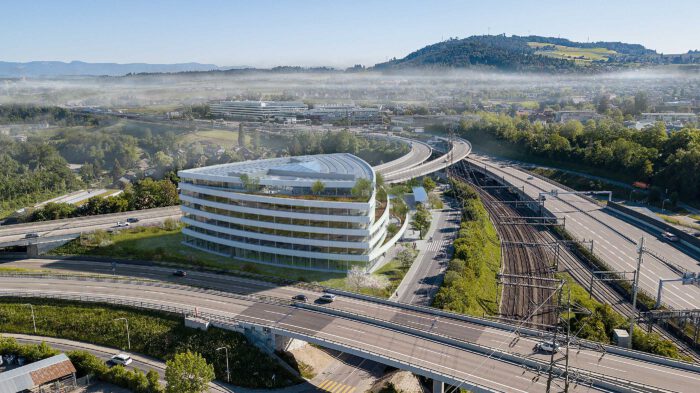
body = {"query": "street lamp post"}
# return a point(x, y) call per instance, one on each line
point(33, 317)
point(228, 373)
point(663, 203)
point(128, 339)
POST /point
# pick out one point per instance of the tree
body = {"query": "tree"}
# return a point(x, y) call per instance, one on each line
point(163, 160)
point(251, 184)
point(318, 187)
point(117, 171)
point(379, 180)
point(429, 184)
point(405, 258)
point(421, 220)
point(188, 372)
point(362, 188)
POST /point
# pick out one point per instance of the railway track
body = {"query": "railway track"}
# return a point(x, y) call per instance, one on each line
point(527, 299)
point(512, 304)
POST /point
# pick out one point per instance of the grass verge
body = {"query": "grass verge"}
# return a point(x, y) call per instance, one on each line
point(165, 245)
point(155, 334)
point(470, 285)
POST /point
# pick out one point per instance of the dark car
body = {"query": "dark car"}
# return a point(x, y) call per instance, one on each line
point(180, 273)
point(300, 298)
point(132, 219)
point(31, 235)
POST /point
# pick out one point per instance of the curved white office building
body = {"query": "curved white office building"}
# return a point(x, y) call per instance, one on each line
point(265, 211)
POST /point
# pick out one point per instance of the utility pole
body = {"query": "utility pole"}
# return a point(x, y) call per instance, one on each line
point(568, 340)
point(128, 338)
point(640, 257)
point(550, 375)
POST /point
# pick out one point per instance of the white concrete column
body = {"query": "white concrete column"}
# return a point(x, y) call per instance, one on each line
point(438, 387)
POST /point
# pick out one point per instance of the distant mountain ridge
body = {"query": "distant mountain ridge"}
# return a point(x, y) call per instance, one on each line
point(79, 68)
point(534, 53)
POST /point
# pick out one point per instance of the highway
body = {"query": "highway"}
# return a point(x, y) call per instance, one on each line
point(614, 239)
point(11, 234)
point(426, 352)
point(460, 150)
point(420, 152)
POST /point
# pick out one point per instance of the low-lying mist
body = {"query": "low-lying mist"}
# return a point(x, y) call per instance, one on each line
point(172, 90)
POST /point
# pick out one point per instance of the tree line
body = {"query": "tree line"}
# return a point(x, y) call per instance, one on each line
point(144, 194)
point(652, 155)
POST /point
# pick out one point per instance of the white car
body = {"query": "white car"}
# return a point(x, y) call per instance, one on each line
point(122, 224)
point(669, 236)
point(530, 177)
point(327, 297)
point(547, 346)
point(121, 358)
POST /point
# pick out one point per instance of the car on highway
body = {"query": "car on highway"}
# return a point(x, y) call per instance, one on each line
point(31, 235)
point(696, 234)
point(132, 220)
point(327, 298)
point(530, 177)
point(121, 358)
point(180, 273)
point(122, 224)
point(300, 298)
point(669, 236)
point(547, 346)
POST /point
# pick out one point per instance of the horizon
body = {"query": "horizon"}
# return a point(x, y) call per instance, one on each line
point(311, 34)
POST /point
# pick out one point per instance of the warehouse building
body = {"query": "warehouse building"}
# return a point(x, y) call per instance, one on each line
point(292, 211)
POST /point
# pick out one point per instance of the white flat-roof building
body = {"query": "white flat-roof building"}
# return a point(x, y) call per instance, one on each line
point(265, 211)
point(257, 110)
point(340, 113)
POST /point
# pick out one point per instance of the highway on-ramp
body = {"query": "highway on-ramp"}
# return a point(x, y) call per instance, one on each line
point(614, 239)
point(325, 323)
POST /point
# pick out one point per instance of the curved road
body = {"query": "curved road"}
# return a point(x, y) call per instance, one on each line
point(460, 150)
point(460, 363)
point(420, 152)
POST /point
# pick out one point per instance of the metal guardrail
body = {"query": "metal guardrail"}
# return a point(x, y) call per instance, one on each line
point(517, 359)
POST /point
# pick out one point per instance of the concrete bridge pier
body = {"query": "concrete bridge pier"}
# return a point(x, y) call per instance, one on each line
point(438, 387)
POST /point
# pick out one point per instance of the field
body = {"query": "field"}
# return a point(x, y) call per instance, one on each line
point(571, 53)
point(216, 137)
point(157, 244)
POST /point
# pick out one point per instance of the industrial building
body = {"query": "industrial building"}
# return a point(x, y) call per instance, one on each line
point(293, 211)
point(53, 374)
point(346, 114)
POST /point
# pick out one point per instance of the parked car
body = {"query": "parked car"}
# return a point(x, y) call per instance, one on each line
point(31, 235)
point(180, 273)
point(132, 219)
point(121, 358)
point(300, 298)
point(669, 236)
point(547, 346)
point(122, 224)
point(327, 297)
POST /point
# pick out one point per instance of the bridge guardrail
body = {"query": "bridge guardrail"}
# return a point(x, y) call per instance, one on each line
point(603, 381)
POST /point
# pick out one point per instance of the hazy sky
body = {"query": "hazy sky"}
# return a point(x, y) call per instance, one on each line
point(329, 32)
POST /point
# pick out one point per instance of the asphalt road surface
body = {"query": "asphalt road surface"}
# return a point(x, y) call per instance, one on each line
point(614, 239)
point(454, 361)
point(460, 150)
point(54, 228)
point(423, 279)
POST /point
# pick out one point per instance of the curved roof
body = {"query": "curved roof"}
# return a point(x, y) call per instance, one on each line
point(325, 167)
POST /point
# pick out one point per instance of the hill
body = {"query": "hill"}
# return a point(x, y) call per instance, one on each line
point(534, 53)
point(79, 68)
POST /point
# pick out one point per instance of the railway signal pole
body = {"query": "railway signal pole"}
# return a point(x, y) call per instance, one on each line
point(640, 257)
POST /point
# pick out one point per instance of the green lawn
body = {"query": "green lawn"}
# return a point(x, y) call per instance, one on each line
point(161, 245)
point(218, 137)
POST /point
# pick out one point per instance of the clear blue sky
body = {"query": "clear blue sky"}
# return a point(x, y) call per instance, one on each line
point(313, 32)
